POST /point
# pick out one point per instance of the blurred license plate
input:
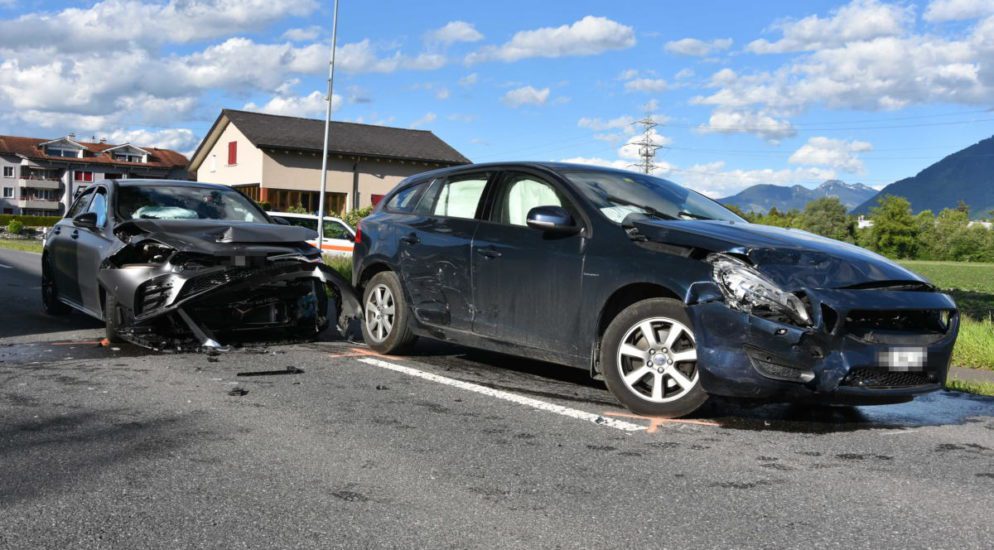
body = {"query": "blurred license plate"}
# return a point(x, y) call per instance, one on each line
point(903, 359)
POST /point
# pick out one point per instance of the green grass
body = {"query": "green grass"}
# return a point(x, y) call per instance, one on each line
point(972, 286)
point(341, 264)
point(979, 388)
point(26, 246)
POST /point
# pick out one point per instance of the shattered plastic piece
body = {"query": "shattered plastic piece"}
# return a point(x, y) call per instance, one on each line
point(288, 370)
point(237, 392)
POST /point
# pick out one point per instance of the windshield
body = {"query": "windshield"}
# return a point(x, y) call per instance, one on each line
point(618, 194)
point(163, 202)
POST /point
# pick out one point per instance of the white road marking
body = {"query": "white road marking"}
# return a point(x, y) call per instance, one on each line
point(6, 266)
point(507, 396)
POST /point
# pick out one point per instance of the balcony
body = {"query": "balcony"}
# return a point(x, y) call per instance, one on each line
point(37, 204)
point(25, 183)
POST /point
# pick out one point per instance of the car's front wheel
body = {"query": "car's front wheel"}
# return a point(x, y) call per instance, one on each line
point(49, 292)
point(386, 326)
point(113, 319)
point(649, 359)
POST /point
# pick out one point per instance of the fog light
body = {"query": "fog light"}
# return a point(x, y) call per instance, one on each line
point(777, 369)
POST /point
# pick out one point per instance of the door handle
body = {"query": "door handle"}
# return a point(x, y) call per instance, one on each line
point(488, 252)
point(75, 234)
point(410, 239)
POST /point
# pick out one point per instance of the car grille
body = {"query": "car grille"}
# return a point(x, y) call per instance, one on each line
point(217, 279)
point(896, 327)
point(153, 294)
point(868, 377)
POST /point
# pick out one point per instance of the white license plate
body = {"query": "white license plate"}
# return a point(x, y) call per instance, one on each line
point(903, 358)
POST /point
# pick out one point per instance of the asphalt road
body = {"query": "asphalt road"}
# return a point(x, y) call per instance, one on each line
point(105, 448)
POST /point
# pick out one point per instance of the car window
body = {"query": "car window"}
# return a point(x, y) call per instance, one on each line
point(80, 205)
point(405, 199)
point(459, 196)
point(519, 194)
point(335, 230)
point(185, 202)
point(99, 206)
point(309, 223)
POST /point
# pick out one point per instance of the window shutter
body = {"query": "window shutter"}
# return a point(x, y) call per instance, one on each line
point(232, 152)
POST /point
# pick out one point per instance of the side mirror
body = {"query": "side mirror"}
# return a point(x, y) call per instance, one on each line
point(552, 219)
point(349, 236)
point(86, 220)
point(280, 221)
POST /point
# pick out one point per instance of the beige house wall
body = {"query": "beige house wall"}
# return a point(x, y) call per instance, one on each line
point(302, 172)
point(215, 168)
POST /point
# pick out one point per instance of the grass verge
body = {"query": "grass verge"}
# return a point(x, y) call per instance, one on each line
point(975, 344)
point(979, 388)
point(26, 246)
point(341, 264)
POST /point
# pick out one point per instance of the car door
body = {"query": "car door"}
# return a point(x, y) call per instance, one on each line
point(338, 238)
point(434, 250)
point(527, 282)
point(91, 245)
point(62, 250)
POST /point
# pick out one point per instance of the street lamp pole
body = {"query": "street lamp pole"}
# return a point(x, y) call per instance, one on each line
point(327, 128)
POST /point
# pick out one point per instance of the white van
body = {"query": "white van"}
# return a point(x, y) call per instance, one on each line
point(338, 236)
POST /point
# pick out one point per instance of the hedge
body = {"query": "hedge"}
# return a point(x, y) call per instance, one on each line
point(30, 221)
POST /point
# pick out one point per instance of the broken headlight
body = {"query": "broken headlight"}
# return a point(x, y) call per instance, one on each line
point(747, 290)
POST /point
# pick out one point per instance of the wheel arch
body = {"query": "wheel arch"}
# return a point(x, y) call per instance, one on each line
point(616, 303)
point(368, 272)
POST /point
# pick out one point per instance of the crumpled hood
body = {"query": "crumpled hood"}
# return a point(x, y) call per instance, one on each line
point(792, 258)
point(214, 236)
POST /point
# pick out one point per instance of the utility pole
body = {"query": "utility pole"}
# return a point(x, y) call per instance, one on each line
point(647, 148)
point(327, 128)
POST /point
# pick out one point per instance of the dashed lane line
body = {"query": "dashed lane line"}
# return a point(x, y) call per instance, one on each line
point(538, 404)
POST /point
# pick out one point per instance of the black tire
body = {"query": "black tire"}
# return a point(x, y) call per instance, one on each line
point(49, 292)
point(673, 368)
point(385, 334)
point(112, 319)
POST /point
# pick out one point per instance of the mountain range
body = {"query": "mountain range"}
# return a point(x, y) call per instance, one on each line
point(966, 175)
point(760, 198)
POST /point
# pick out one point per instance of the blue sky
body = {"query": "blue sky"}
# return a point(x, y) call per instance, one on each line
point(758, 92)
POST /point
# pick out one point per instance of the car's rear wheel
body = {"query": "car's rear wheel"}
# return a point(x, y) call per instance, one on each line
point(649, 359)
point(386, 324)
point(49, 292)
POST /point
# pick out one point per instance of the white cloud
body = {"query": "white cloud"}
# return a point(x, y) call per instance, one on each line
point(588, 36)
point(427, 119)
point(877, 73)
point(684, 74)
point(362, 57)
point(696, 47)
point(834, 153)
point(647, 85)
point(952, 10)
point(454, 31)
point(730, 121)
point(177, 139)
point(462, 117)
point(625, 123)
point(307, 34)
point(130, 22)
point(469, 80)
point(859, 20)
point(526, 95)
point(312, 105)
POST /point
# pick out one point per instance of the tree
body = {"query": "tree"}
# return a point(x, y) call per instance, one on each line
point(828, 217)
point(894, 231)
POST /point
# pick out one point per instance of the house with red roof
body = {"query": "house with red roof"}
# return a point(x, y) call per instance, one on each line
point(39, 177)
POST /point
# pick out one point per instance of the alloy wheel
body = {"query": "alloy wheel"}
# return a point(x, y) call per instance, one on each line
point(380, 312)
point(657, 360)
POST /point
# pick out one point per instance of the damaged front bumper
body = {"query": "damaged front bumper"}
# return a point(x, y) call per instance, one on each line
point(863, 347)
point(181, 301)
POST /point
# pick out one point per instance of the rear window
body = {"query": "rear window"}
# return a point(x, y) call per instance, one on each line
point(405, 199)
